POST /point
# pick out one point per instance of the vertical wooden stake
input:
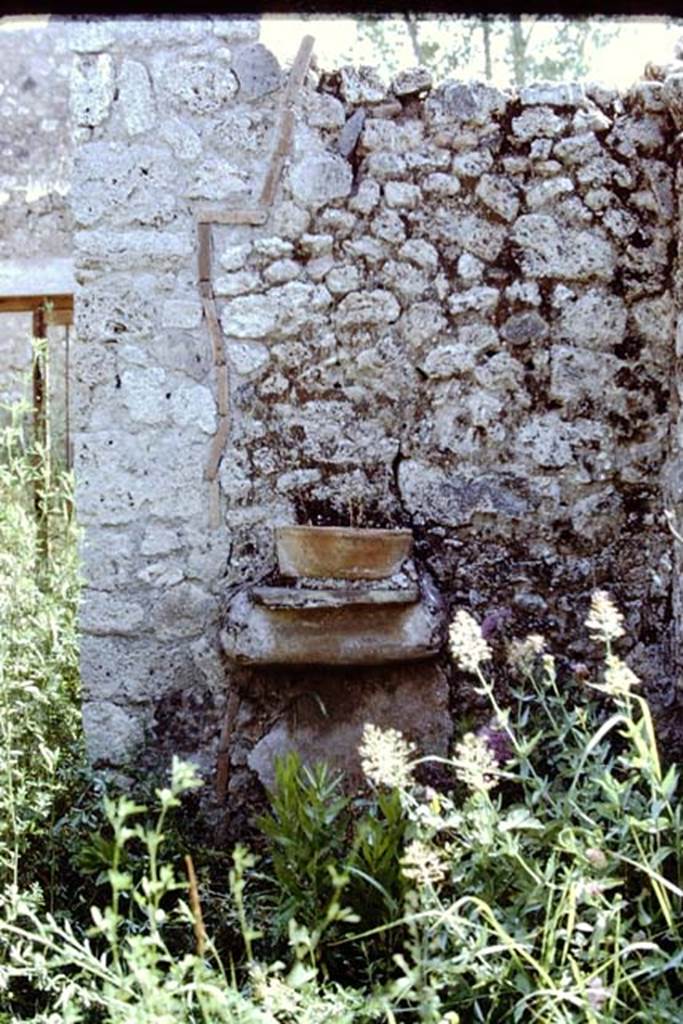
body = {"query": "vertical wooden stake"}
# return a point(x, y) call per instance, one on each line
point(223, 761)
point(41, 438)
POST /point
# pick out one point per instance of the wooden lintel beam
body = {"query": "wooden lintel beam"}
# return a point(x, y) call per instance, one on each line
point(61, 312)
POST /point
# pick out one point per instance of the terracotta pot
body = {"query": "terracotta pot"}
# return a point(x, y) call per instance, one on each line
point(341, 552)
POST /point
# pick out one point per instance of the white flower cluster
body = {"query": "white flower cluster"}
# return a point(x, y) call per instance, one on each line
point(423, 863)
point(523, 654)
point(619, 678)
point(476, 765)
point(467, 644)
point(385, 757)
point(605, 621)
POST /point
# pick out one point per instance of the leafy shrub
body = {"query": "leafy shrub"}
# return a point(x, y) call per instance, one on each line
point(39, 711)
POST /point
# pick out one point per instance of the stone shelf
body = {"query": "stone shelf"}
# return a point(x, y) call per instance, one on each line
point(291, 597)
point(333, 626)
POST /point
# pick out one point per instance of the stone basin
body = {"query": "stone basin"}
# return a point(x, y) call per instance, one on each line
point(341, 552)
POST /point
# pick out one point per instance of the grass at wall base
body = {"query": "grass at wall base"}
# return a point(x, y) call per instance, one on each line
point(543, 886)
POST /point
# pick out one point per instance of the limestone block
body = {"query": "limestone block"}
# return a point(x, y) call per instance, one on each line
point(440, 184)
point(319, 178)
point(660, 178)
point(401, 195)
point(500, 195)
point(236, 30)
point(577, 149)
point(421, 253)
point(134, 184)
point(247, 357)
point(596, 319)
point(540, 150)
point(282, 271)
point(380, 133)
point(92, 87)
point(234, 257)
point(143, 392)
point(604, 170)
point(553, 94)
point(242, 282)
point(113, 734)
point(524, 328)
point(649, 95)
point(192, 405)
point(542, 193)
point(107, 558)
point(160, 540)
point(470, 269)
point(324, 111)
point(472, 102)
point(544, 439)
point(363, 309)
point(423, 322)
point(361, 85)
point(120, 480)
point(90, 36)
point(249, 316)
point(154, 33)
point(525, 292)
point(366, 198)
point(371, 250)
point(182, 138)
point(435, 495)
point(482, 299)
point(384, 166)
point(451, 360)
point(590, 119)
point(272, 248)
point(104, 612)
point(501, 372)
point(126, 250)
point(549, 250)
point(215, 178)
point(290, 221)
point(654, 319)
point(577, 375)
point(135, 96)
point(200, 86)
point(407, 282)
point(388, 226)
point(318, 268)
point(185, 313)
point(475, 234)
point(472, 165)
point(185, 610)
point(257, 71)
point(411, 82)
point(429, 159)
point(538, 122)
point(316, 245)
point(343, 279)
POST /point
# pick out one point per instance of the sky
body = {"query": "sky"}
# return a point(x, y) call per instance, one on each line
point(617, 64)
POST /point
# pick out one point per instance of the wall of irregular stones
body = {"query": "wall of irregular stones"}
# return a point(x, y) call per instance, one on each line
point(458, 316)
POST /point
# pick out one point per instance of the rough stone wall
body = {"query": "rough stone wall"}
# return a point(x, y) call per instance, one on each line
point(35, 173)
point(458, 316)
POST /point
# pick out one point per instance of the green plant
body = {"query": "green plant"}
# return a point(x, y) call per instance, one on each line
point(39, 714)
point(559, 900)
point(306, 829)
